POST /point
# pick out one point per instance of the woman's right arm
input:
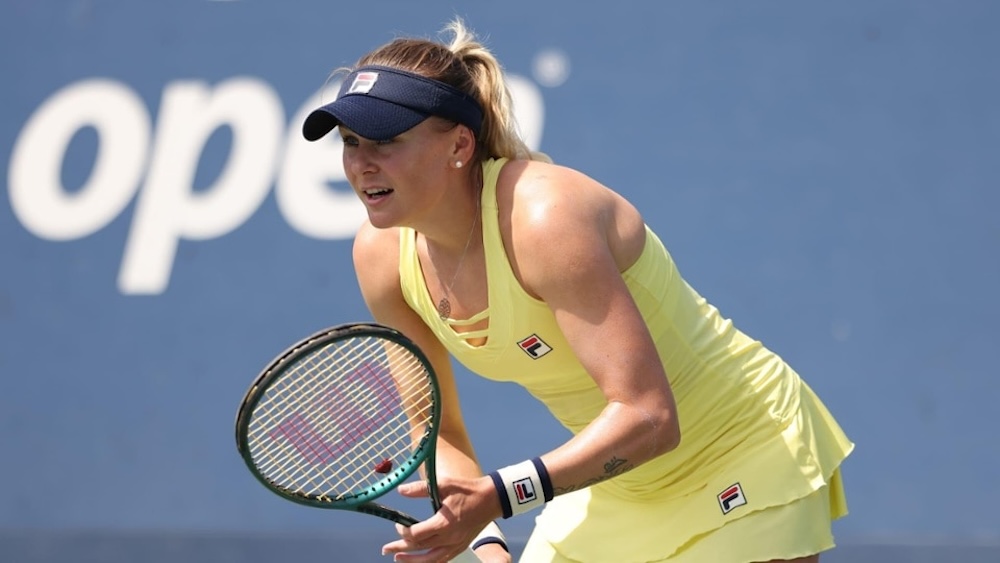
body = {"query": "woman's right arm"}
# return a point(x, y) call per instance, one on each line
point(376, 263)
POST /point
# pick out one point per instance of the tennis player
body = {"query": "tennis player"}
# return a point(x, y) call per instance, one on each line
point(692, 442)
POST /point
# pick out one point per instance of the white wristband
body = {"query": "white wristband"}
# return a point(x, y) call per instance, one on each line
point(522, 487)
point(490, 534)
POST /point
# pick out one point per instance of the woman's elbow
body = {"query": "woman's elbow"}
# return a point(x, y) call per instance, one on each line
point(664, 431)
point(668, 435)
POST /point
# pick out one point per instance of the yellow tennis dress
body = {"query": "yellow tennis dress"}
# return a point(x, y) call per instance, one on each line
point(759, 453)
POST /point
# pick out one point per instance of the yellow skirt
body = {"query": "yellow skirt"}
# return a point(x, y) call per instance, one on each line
point(775, 502)
point(794, 530)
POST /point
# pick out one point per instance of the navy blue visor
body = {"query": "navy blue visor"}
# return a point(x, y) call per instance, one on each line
point(379, 103)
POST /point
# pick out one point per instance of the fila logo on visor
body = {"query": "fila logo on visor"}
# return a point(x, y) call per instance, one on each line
point(534, 347)
point(363, 83)
point(731, 498)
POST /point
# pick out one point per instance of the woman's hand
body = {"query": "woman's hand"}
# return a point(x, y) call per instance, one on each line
point(467, 505)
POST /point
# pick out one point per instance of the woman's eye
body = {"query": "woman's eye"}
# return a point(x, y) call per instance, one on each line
point(384, 142)
point(350, 141)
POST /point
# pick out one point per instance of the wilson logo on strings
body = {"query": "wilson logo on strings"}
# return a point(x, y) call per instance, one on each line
point(337, 420)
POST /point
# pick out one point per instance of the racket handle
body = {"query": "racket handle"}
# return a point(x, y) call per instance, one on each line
point(381, 511)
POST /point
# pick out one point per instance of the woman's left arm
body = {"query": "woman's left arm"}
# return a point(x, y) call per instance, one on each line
point(571, 244)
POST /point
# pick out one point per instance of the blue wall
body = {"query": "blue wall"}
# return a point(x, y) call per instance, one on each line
point(825, 173)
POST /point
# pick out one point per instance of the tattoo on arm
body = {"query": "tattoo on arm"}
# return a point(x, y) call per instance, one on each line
point(612, 468)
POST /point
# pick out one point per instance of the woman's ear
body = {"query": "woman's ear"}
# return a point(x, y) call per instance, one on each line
point(465, 144)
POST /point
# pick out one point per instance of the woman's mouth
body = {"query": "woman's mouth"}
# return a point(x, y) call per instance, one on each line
point(373, 194)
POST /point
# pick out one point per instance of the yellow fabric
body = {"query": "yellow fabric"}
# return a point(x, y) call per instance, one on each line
point(746, 417)
point(790, 531)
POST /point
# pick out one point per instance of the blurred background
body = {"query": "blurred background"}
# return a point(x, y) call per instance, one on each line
point(824, 173)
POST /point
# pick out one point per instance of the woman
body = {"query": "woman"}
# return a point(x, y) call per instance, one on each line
point(691, 441)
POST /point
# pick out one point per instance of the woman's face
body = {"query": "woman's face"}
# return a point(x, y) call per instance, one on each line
point(400, 180)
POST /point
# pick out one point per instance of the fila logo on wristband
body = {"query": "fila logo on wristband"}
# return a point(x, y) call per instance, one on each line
point(518, 486)
point(524, 490)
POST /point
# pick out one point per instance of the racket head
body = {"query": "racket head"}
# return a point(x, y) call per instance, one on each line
point(341, 418)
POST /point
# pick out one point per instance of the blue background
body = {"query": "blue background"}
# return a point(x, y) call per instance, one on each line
point(824, 173)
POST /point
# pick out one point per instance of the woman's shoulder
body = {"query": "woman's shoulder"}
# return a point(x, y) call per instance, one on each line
point(538, 189)
point(376, 265)
point(370, 237)
point(538, 174)
point(546, 202)
point(376, 249)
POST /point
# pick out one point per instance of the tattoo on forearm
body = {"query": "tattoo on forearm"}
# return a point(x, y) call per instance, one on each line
point(612, 468)
point(613, 464)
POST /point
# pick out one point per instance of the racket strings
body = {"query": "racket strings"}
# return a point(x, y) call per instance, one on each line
point(387, 447)
point(305, 378)
point(295, 467)
point(340, 411)
point(304, 381)
point(352, 433)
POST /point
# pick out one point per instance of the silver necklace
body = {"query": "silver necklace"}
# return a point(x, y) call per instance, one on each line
point(444, 306)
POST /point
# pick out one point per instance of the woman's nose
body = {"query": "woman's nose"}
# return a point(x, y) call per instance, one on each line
point(359, 160)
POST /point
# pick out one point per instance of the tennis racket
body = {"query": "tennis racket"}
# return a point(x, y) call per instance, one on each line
point(341, 418)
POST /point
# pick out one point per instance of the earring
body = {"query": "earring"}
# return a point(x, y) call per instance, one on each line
point(458, 164)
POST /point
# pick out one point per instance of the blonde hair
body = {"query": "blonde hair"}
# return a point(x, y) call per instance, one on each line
point(466, 64)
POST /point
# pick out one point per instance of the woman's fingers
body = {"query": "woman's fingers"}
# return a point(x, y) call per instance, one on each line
point(415, 489)
point(424, 542)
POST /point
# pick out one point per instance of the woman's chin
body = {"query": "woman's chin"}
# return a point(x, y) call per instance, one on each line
point(380, 220)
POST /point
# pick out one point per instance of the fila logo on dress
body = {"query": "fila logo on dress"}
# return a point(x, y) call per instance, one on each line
point(534, 347)
point(731, 498)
